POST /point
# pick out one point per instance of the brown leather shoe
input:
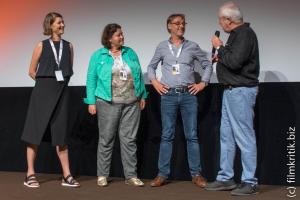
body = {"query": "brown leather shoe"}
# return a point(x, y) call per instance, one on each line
point(199, 181)
point(158, 181)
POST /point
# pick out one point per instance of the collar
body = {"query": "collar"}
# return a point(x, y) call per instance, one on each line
point(105, 50)
point(242, 26)
point(183, 40)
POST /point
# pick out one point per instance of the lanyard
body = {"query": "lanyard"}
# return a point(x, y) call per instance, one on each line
point(178, 52)
point(57, 58)
point(120, 59)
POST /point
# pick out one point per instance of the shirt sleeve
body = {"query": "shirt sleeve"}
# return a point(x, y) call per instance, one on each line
point(151, 69)
point(201, 57)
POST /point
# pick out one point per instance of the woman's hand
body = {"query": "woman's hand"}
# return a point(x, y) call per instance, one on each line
point(92, 109)
point(32, 74)
point(142, 104)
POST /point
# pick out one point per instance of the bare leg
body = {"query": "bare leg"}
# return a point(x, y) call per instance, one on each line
point(31, 155)
point(62, 152)
point(31, 180)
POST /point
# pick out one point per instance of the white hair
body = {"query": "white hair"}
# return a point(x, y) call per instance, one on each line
point(231, 11)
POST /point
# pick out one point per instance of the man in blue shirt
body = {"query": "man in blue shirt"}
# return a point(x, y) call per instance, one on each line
point(178, 91)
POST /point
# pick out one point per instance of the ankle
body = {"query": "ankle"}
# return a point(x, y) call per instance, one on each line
point(30, 173)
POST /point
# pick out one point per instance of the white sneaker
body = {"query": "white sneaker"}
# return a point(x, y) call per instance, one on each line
point(102, 181)
point(135, 182)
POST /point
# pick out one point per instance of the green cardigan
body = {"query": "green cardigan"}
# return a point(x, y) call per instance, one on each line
point(98, 83)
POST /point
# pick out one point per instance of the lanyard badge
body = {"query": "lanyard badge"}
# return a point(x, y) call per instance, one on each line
point(175, 67)
point(58, 72)
point(123, 72)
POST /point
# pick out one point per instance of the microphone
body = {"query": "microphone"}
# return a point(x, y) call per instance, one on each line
point(213, 51)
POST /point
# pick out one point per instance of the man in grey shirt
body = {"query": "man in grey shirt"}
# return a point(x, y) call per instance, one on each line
point(177, 88)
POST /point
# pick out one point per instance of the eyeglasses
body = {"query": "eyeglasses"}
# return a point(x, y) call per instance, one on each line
point(178, 24)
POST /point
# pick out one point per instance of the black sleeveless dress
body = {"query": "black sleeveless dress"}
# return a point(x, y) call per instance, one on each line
point(48, 106)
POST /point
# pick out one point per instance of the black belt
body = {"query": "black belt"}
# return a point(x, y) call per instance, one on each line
point(181, 89)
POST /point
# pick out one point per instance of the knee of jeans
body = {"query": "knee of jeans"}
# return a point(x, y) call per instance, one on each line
point(249, 148)
point(229, 147)
point(191, 138)
point(168, 138)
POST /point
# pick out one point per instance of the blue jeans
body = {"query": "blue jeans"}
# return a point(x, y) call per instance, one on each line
point(188, 106)
point(237, 129)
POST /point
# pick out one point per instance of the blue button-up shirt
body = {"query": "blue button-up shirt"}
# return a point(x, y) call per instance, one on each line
point(190, 57)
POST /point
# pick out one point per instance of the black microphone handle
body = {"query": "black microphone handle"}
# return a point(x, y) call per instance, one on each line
point(213, 51)
point(217, 33)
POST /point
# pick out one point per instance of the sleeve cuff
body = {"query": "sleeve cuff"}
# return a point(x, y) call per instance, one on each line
point(220, 50)
point(89, 101)
point(151, 76)
point(145, 95)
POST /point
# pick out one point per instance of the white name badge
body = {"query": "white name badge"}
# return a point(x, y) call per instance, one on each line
point(123, 75)
point(58, 75)
point(175, 69)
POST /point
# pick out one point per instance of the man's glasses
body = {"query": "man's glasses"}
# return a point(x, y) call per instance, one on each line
point(178, 23)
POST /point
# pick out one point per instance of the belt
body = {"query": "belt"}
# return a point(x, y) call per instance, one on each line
point(236, 86)
point(229, 87)
point(181, 89)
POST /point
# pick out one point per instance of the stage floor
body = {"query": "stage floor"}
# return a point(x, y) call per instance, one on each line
point(11, 187)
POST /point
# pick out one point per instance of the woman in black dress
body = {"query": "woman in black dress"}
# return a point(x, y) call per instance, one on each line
point(51, 68)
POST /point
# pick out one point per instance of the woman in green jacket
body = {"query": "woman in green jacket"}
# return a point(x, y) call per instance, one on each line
point(116, 92)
